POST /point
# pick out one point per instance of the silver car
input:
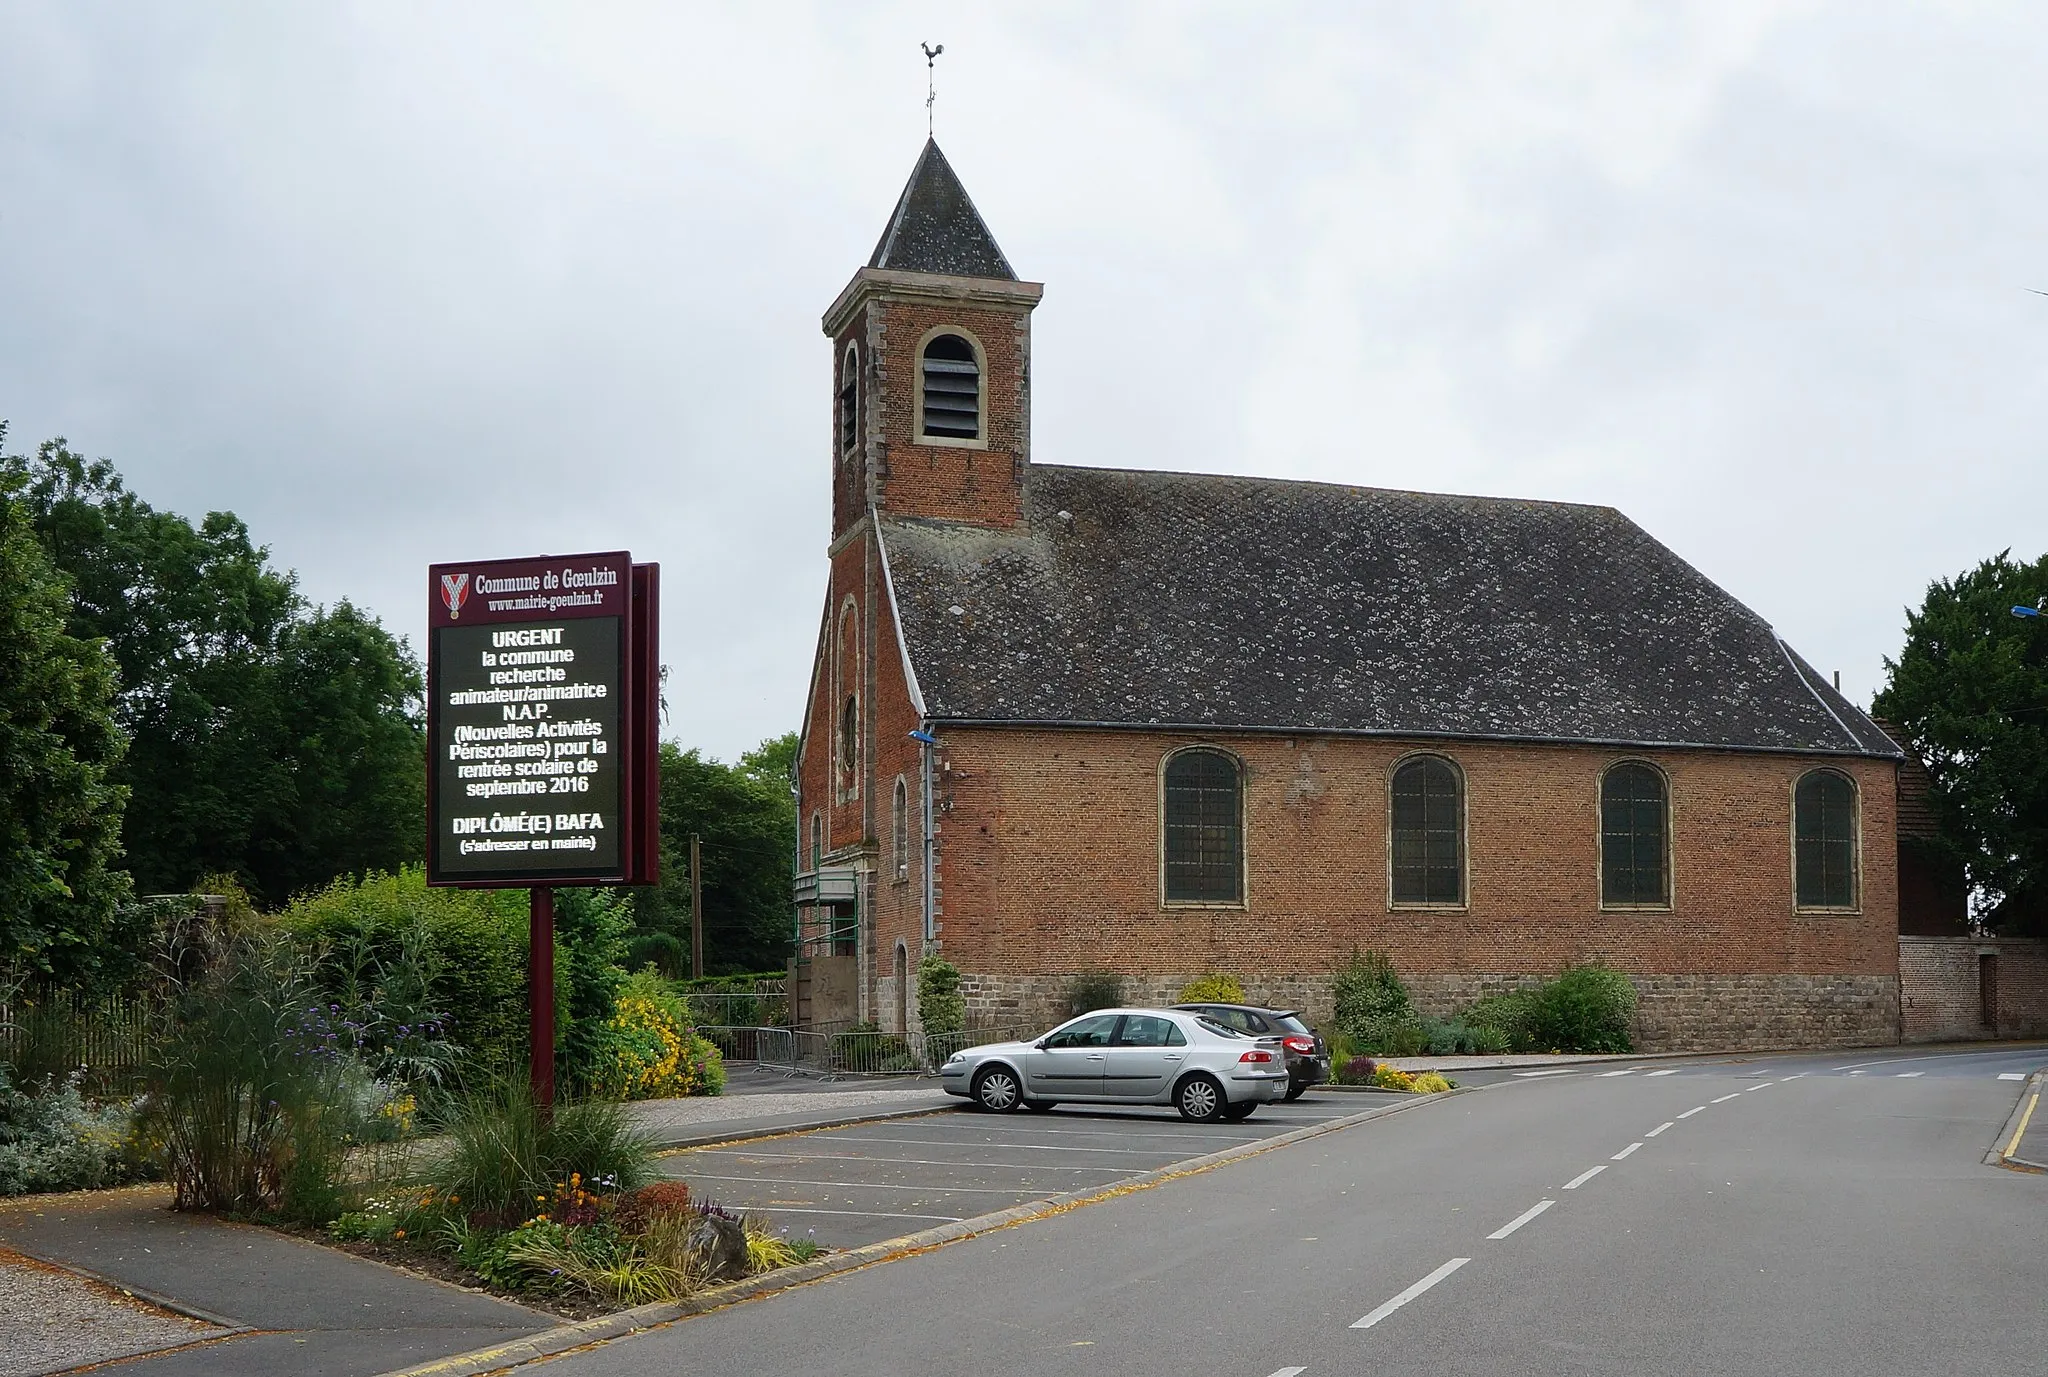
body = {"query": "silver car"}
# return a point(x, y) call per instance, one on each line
point(1127, 1056)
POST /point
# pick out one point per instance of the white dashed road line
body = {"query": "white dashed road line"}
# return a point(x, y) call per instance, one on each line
point(1908, 1075)
point(1690, 1112)
point(1608, 1075)
point(1411, 1293)
point(1290, 1372)
point(1724, 1099)
point(1766, 1085)
point(1519, 1220)
point(1555, 1071)
point(1583, 1177)
point(2012, 1075)
point(1624, 1152)
point(1667, 1071)
point(1659, 1128)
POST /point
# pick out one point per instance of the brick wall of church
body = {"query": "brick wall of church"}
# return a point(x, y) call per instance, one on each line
point(1050, 852)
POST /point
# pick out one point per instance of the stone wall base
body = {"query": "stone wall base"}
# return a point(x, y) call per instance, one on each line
point(1674, 1013)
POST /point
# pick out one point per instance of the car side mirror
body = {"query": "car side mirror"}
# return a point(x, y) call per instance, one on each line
point(1039, 1045)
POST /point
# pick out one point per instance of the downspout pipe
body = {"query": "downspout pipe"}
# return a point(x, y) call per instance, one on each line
point(924, 738)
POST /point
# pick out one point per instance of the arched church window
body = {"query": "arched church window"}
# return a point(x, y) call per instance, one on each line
point(1824, 840)
point(1634, 837)
point(1202, 817)
point(902, 829)
point(1428, 833)
point(952, 389)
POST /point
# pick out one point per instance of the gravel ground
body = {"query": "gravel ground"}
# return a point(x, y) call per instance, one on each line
point(51, 1320)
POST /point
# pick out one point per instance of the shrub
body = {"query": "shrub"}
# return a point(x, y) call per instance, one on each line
point(1430, 1083)
point(1588, 1008)
point(1356, 1071)
point(941, 1008)
point(661, 950)
point(1392, 1037)
point(502, 1152)
point(1092, 990)
point(252, 1089)
point(51, 1140)
point(1455, 1037)
point(1369, 998)
point(648, 1049)
point(1393, 1078)
point(1213, 988)
point(639, 1208)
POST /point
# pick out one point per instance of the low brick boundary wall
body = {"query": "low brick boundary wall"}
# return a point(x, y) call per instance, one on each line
point(1942, 988)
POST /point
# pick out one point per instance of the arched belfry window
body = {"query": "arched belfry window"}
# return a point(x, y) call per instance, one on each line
point(817, 839)
point(849, 400)
point(1635, 832)
point(1428, 833)
point(849, 744)
point(1824, 842)
point(1202, 827)
point(952, 389)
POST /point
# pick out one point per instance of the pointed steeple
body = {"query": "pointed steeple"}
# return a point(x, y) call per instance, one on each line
point(936, 228)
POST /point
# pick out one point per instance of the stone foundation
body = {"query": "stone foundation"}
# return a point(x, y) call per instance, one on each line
point(1674, 1013)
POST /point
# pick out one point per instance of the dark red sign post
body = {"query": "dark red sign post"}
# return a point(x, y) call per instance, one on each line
point(543, 684)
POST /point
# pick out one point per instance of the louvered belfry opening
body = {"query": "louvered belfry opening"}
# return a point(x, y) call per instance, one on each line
point(952, 389)
point(1204, 817)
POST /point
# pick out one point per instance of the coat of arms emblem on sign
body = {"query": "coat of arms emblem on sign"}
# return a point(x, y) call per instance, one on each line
point(454, 592)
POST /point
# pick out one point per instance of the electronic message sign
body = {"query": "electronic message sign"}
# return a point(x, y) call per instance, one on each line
point(539, 722)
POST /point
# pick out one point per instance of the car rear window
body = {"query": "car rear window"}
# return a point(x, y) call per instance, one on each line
point(1288, 1023)
point(1225, 1029)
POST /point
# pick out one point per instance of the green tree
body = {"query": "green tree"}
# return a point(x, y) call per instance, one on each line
point(1970, 691)
point(61, 890)
point(270, 740)
point(746, 823)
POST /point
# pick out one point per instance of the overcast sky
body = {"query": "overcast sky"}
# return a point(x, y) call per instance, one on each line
point(401, 282)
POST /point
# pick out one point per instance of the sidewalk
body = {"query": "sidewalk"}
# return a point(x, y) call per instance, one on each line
point(268, 1302)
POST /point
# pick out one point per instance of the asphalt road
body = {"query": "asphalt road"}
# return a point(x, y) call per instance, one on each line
point(1767, 1215)
point(850, 1186)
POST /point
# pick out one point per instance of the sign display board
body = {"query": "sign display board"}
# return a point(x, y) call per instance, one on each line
point(538, 721)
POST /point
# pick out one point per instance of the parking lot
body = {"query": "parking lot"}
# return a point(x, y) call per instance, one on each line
point(869, 1182)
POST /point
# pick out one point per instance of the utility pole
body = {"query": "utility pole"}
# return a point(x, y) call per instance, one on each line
point(540, 996)
point(696, 909)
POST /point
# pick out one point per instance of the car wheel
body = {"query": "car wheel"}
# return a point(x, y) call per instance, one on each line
point(1200, 1100)
point(996, 1090)
point(1295, 1089)
point(1232, 1113)
point(1039, 1106)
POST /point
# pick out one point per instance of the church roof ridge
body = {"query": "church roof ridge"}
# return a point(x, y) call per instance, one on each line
point(1331, 483)
point(935, 227)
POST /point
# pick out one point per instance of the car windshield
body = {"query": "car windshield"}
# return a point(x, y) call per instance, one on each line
point(1223, 1029)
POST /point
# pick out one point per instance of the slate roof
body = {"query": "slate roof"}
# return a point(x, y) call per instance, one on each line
point(1168, 599)
point(936, 229)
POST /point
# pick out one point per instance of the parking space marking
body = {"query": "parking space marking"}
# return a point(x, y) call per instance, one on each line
point(867, 1214)
point(1163, 1133)
point(1411, 1293)
point(1583, 1177)
point(927, 1188)
point(903, 1161)
point(1519, 1220)
point(1026, 1147)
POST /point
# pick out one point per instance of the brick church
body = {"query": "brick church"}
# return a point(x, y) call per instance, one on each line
point(1068, 718)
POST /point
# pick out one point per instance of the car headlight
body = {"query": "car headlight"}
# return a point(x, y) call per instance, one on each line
point(957, 1056)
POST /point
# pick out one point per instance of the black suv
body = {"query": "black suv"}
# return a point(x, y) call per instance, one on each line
point(1308, 1056)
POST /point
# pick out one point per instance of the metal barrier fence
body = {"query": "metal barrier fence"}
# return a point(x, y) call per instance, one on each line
point(830, 1054)
point(764, 1008)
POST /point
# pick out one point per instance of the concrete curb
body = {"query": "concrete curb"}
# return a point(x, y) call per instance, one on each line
point(712, 1137)
point(160, 1301)
point(2005, 1152)
point(560, 1340)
